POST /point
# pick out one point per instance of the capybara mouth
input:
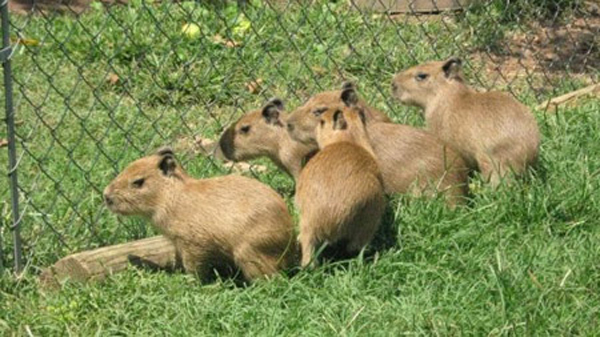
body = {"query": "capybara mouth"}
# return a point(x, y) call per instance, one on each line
point(305, 140)
point(112, 208)
point(108, 201)
point(226, 143)
point(113, 205)
point(396, 90)
point(296, 135)
point(118, 211)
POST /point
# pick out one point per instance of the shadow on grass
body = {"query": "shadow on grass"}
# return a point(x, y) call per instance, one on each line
point(224, 272)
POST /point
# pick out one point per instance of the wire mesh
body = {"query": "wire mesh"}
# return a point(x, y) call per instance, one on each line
point(98, 84)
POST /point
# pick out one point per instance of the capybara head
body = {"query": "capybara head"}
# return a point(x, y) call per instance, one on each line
point(255, 133)
point(341, 123)
point(421, 83)
point(302, 122)
point(143, 184)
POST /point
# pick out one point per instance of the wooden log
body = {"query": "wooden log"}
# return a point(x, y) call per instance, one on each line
point(556, 101)
point(411, 6)
point(154, 253)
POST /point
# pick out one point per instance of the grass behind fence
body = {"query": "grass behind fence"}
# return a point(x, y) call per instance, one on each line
point(520, 259)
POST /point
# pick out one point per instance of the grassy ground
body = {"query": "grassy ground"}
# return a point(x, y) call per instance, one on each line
point(519, 260)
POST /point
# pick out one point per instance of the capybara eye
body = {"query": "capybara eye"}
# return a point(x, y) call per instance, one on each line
point(319, 111)
point(138, 182)
point(421, 76)
point(245, 129)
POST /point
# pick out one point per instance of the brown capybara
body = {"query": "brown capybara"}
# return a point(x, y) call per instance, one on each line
point(493, 131)
point(411, 160)
point(319, 103)
point(222, 223)
point(340, 191)
point(262, 133)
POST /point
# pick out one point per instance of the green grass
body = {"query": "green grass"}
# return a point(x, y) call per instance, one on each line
point(523, 259)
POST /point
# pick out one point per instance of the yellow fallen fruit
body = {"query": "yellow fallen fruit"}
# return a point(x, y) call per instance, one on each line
point(191, 30)
point(243, 25)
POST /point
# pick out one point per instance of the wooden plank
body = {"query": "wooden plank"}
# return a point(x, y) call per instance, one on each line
point(411, 6)
point(556, 101)
point(156, 253)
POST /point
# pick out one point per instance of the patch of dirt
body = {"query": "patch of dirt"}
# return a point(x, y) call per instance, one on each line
point(538, 51)
point(550, 50)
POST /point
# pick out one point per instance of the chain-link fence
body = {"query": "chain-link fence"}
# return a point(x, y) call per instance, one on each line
point(98, 84)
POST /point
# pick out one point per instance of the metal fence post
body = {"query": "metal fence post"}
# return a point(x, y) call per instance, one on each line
point(5, 55)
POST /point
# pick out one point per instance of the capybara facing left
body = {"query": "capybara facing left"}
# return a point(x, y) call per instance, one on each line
point(221, 223)
point(493, 132)
point(262, 132)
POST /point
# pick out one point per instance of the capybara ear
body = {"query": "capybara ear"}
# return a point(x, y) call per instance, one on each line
point(452, 67)
point(349, 97)
point(270, 113)
point(348, 85)
point(339, 122)
point(165, 150)
point(167, 163)
point(277, 102)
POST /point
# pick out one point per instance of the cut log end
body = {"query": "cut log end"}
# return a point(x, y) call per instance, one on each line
point(156, 253)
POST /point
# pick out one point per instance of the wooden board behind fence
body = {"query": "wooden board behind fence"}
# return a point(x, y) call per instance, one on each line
point(411, 6)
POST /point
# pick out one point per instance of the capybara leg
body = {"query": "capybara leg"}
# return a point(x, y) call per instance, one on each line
point(456, 195)
point(365, 226)
point(255, 264)
point(489, 171)
point(196, 264)
point(355, 245)
point(497, 175)
point(308, 245)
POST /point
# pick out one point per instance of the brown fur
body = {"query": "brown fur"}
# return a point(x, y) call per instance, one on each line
point(410, 160)
point(321, 101)
point(225, 222)
point(340, 192)
point(262, 133)
point(493, 131)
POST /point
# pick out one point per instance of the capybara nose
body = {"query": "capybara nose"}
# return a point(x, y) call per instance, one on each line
point(290, 127)
point(394, 87)
point(108, 200)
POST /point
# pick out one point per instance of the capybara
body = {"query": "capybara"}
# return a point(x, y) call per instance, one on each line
point(222, 223)
point(262, 133)
point(340, 191)
point(493, 131)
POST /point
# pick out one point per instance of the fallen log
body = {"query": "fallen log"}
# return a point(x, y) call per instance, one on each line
point(156, 253)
